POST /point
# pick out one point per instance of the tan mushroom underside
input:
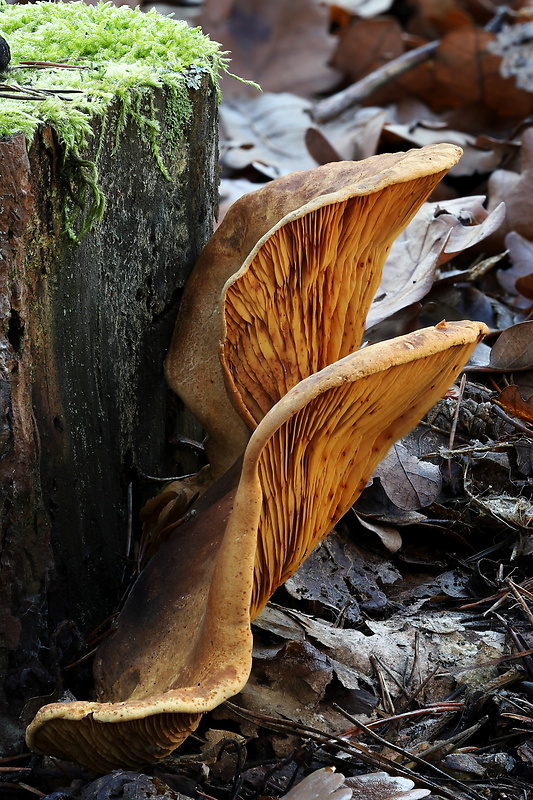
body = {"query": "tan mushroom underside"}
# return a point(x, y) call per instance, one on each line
point(183, 641)
point(323, 236)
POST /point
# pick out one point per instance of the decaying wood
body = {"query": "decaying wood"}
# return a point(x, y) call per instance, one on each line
point(85, 407)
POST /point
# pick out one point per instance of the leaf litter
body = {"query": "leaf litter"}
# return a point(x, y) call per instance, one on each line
point(398, 661)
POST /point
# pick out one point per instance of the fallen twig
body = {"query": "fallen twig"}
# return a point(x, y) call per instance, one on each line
point(46, 65)
point(331, 107)
point(517, 591)
point(355, 749)
point(417, 759)
point(436, 708)
point(16, 91)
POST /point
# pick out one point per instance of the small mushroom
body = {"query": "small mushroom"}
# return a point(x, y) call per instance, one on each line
point(183, 642)
point(301, 259)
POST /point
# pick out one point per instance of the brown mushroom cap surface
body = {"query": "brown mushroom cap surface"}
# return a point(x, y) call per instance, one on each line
point(296, 228)
point(183, 641)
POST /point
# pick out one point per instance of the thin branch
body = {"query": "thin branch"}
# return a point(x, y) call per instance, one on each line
point(418, 760)
point(331, 107)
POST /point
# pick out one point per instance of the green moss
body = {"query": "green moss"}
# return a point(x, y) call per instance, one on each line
point(121, 55)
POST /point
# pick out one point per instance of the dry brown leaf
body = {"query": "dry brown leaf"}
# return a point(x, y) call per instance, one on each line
point(409, 482)
point(406, 280)
point(524, 381)
point(355, 135)
point(468, 73)
point(513, 349)
point(268, 129)
point(433, 18)
point(271, 133)
point(437, 640)
point(319, 147)
point(435, 235)
point(282, 46)
point(516, 191)
point(470, 223)
point(525, 285)
point(340, 576)
point(511, 400)
point(366, 45)
point(289, 680)
point(521, 257)
point(389, 537)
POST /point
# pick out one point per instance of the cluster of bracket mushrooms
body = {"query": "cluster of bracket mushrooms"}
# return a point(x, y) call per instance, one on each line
point(266, 355)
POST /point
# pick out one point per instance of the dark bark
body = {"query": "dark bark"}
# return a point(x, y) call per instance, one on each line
point(86, 413)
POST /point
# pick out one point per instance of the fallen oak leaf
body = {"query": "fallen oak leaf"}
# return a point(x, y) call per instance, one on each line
point(470, 223)
point(405, 280)
point(365, 48)
point(466, 52)
point(353, 136)
point(511, 400)
point(433, 18)
point(319, 147)
point(268, 129)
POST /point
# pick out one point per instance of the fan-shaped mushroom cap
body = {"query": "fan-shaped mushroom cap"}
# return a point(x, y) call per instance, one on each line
point(183, 641)
point(321, 236)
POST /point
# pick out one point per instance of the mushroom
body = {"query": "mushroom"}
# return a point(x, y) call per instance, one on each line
point(183, 643)
point(300, 260)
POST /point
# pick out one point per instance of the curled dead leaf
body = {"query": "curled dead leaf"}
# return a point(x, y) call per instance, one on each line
point(511, 400)
point(436, 234)
point(389, 536)
point(513, 349)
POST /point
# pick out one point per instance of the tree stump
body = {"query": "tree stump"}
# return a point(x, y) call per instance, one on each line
point(85, 412)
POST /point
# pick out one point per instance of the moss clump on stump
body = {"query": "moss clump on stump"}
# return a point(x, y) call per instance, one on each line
point(118, 55)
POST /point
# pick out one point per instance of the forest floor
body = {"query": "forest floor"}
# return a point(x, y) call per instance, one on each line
point(404, 644)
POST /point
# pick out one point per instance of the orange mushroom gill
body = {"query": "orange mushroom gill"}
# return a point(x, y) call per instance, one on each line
point(285, 283)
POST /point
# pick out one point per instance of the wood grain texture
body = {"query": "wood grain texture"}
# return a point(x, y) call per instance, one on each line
point(85, 410)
